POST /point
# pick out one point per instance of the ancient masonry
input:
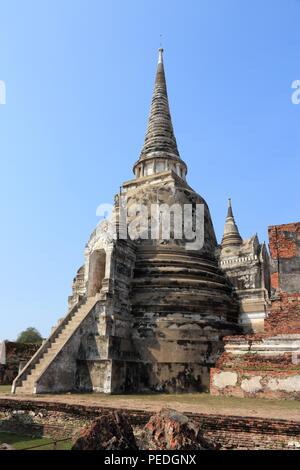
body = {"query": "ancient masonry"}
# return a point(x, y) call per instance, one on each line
point(151, 314)
point(268, 364)
point(13, 357)
point(61, 420)
point(246, 264)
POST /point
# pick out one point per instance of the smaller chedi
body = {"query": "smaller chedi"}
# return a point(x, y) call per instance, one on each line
point(246, 263)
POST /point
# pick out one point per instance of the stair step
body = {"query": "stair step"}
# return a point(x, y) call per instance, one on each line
point(27, 385)
point(63, 337)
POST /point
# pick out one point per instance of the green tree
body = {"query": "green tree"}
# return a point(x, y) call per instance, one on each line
point(31, 335)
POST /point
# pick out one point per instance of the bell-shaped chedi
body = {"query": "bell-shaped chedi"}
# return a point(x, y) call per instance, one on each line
point(231, 236)
point(181, 301)
point(246, 264)
point(148, 312)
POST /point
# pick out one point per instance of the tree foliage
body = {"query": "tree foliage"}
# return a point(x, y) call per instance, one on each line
point(30, 335)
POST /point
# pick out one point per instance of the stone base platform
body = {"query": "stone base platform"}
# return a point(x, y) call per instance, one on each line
point(258, 366)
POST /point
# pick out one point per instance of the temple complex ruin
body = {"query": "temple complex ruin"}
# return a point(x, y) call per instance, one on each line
point(150, 313)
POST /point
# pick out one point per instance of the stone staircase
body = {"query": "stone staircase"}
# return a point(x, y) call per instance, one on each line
point(25, 382)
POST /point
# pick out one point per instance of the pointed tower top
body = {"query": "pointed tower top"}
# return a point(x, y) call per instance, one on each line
point(231, 235)
point(160, 55)
point(229, 213)
point(160, 142)
point(160, 135)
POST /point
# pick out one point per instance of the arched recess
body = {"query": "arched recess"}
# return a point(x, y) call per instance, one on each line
point(96, 272)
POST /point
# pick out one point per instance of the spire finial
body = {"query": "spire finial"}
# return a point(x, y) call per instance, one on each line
point(160, 138)
point(160, 143)
point(160, 55)
point(229, 213)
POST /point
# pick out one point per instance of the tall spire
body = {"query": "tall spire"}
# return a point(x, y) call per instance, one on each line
point(160, 135)
point(160, 142)
point(231, 235)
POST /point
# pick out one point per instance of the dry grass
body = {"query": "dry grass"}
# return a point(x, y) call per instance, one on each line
point(189, 402)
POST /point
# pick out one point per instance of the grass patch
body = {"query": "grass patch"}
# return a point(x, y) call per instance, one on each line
point(19, 442)
point(5, 388)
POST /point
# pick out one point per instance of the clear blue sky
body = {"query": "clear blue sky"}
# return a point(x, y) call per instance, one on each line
point(79, 77)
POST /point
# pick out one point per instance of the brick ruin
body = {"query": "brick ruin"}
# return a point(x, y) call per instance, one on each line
point(151, 313)
point(61, 420)
point(268, 364)
point(285, 279)
point(13, 357)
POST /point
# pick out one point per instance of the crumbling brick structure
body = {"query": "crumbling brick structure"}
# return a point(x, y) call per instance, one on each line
point(14, 356)
point(268, 365)
point(285, 279)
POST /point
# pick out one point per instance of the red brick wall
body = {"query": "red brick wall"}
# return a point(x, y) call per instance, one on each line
point(285, 314)
point(284, 242)
point(281, 246)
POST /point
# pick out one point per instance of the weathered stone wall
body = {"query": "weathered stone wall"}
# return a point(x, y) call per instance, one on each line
point(258, 365)
point(59, 420)
point(78, 288)
point(261, 383)
point(14, 356)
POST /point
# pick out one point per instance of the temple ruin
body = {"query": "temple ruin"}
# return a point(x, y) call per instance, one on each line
point(151, 313)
